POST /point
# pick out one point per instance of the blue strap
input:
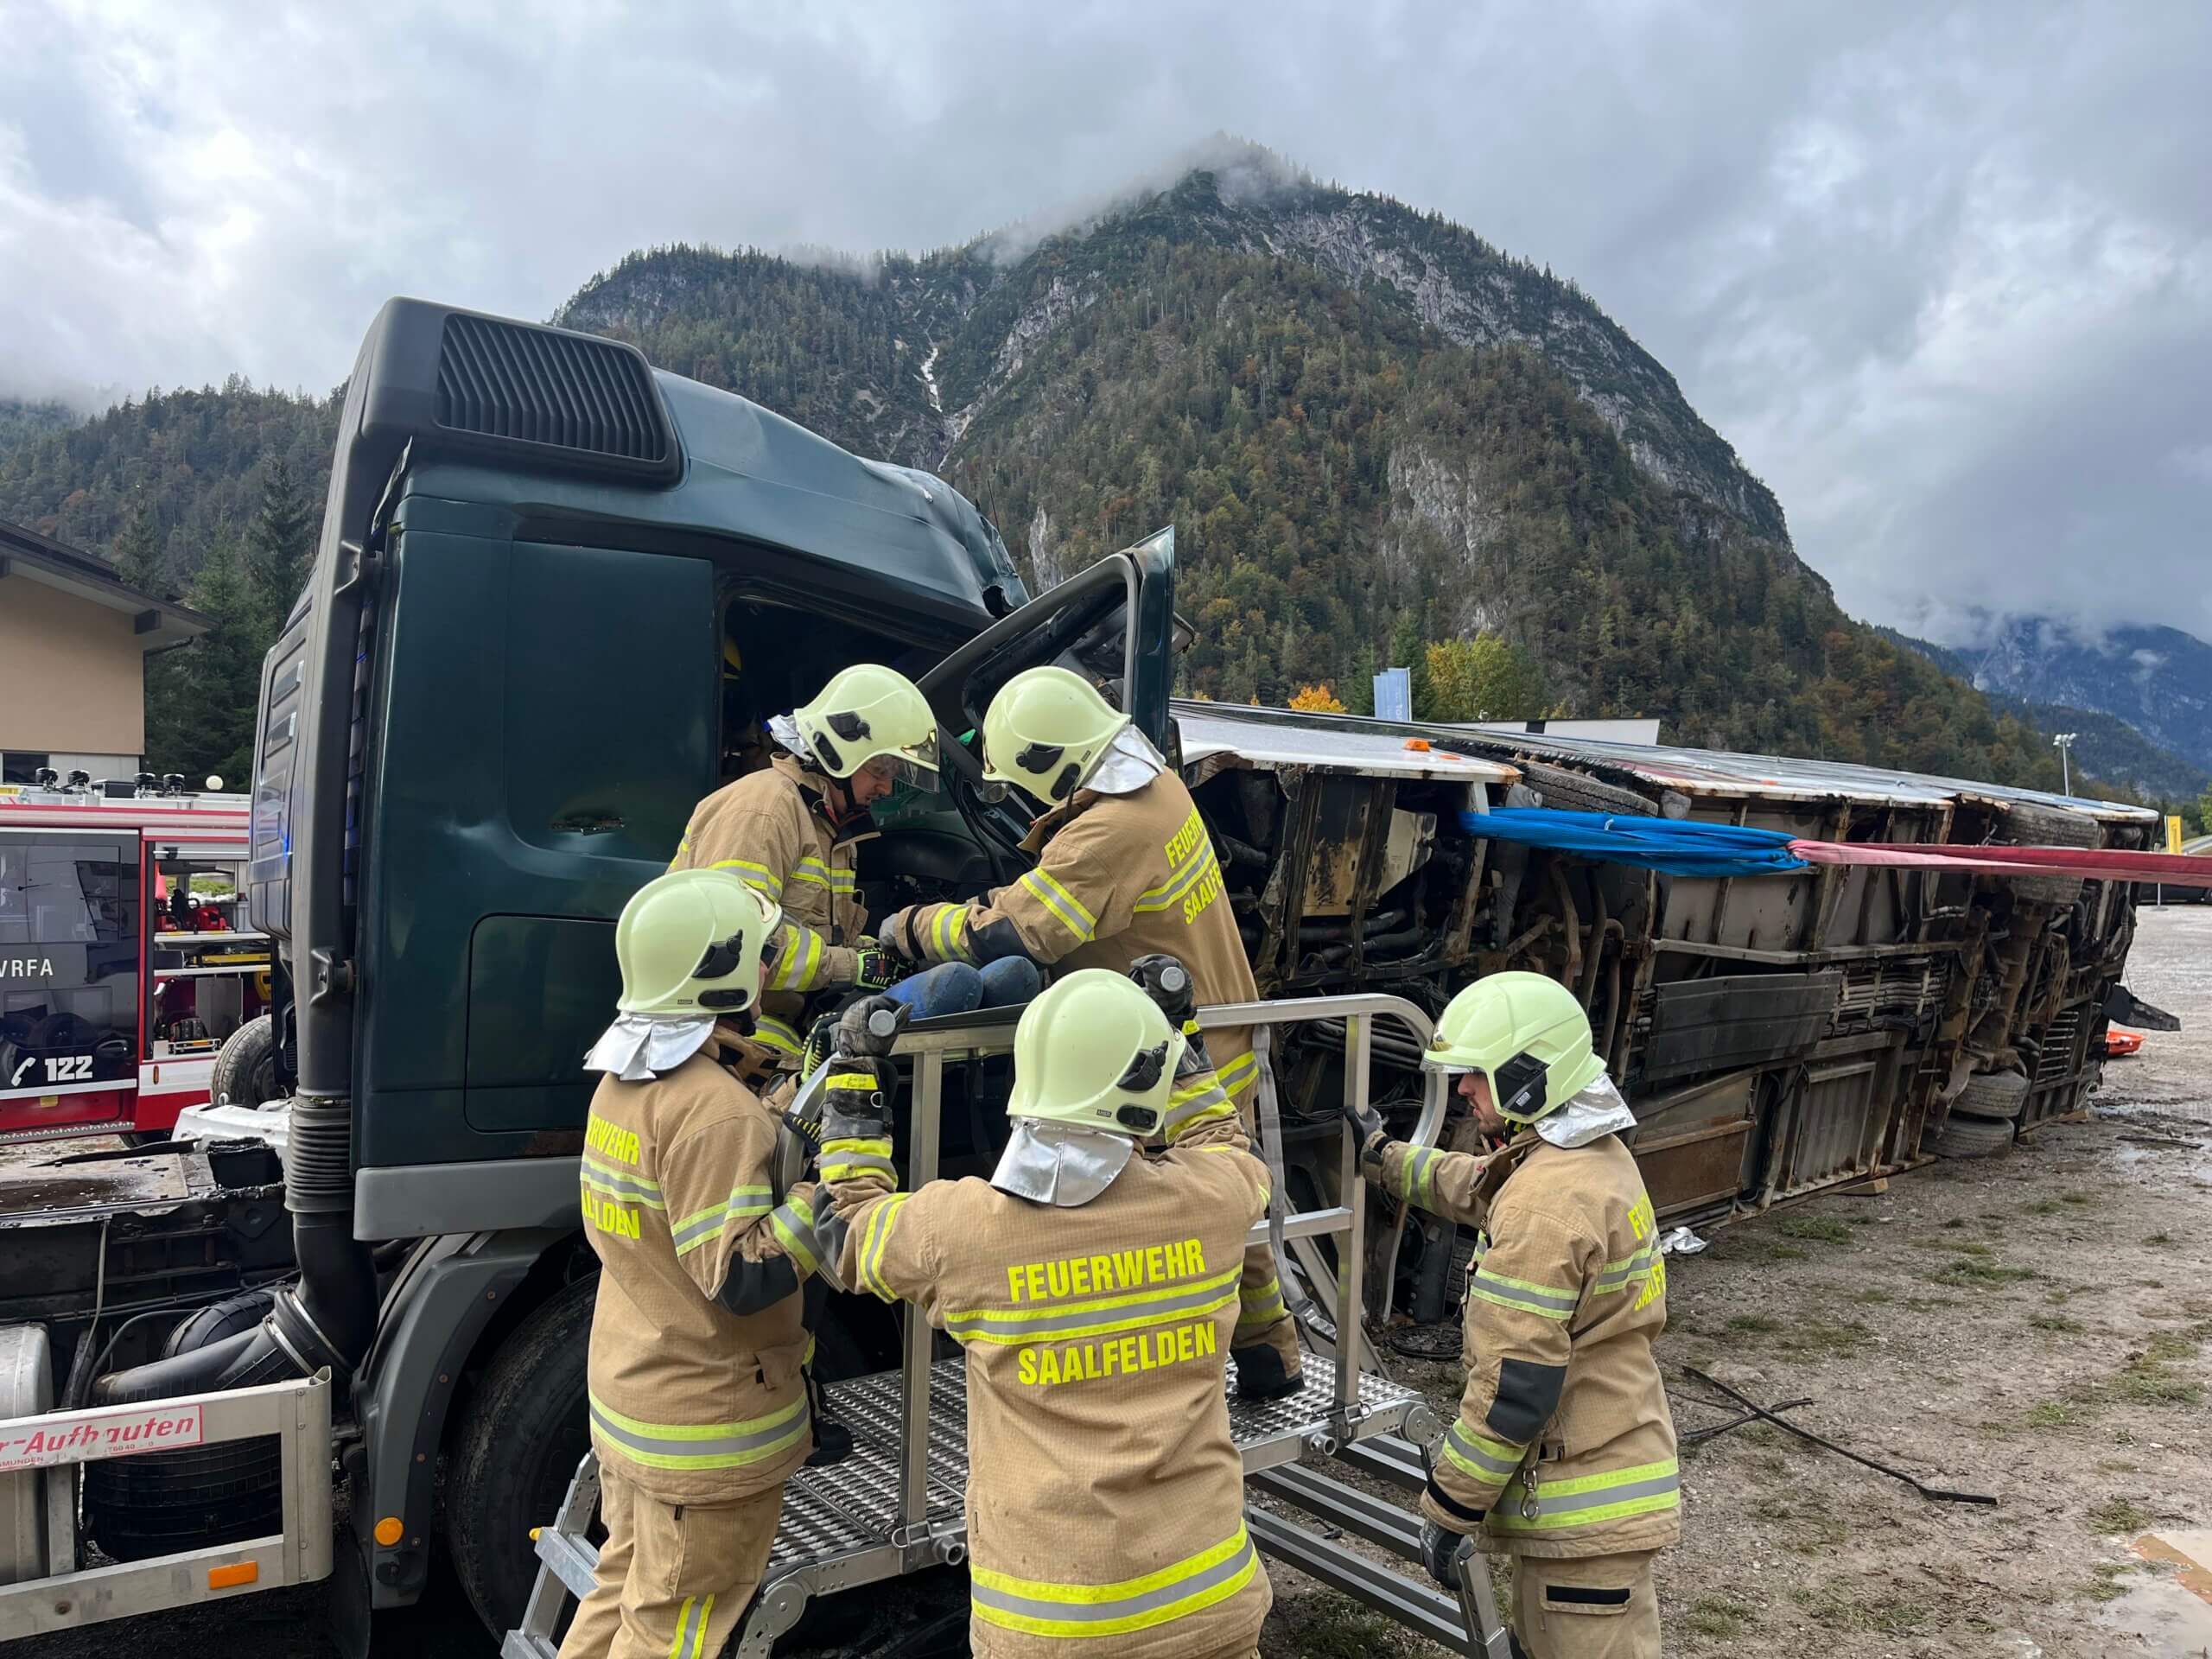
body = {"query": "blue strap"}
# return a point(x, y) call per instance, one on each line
point(1671, 846)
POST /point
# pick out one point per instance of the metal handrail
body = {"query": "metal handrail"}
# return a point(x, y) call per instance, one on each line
point(1435, 1087)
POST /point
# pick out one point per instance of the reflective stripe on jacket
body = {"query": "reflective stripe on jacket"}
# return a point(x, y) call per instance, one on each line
point(697, 1403)
point(1564, 1445)
point(1105, 1496)
point(767, 827)
point(1117, 877)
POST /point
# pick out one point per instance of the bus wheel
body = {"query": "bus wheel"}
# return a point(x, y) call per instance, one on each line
point(515, 1451)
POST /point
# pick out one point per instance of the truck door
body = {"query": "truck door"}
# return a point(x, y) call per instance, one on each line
point(1114, 623)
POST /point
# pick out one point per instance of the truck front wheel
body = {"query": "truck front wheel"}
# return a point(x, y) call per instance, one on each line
point(524, 1431)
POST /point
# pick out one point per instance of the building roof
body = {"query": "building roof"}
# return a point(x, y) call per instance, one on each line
point(29, 555)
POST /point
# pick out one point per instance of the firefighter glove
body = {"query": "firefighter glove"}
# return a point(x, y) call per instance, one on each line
point(1167, 982)
point(821, 1037)
point(1442, 1551)
point(1367, 1124)
point(874, 967)
point(808, 1133)
point(867, 1030)
point(891, 938)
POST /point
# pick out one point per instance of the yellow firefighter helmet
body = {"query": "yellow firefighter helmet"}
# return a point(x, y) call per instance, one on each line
point(694, 943)
point(1527, 1035)
point(866, 711)
point(1095, 1052)
point(1046, 731)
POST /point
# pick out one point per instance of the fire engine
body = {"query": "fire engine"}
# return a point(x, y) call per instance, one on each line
point(126, 960)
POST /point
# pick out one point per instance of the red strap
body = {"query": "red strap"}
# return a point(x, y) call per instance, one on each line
point(2096, 864)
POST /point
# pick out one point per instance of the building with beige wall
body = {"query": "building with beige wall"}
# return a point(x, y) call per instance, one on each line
point(74, 643)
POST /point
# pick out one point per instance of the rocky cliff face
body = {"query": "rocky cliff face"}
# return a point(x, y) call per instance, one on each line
point(1466, 290)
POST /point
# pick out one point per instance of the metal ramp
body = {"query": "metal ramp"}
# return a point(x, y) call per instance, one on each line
point(897, 1505)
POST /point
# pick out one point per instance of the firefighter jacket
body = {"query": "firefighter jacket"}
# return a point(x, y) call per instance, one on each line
point(1563, 1444)
point(695, 1340)
point(1105, 1496)
point(771, 828)
point(1117, 877)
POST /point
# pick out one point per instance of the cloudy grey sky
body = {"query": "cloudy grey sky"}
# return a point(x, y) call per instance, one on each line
point(1943, 275)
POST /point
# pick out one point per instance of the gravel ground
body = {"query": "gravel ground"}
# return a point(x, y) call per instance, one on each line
point(2037, 1326)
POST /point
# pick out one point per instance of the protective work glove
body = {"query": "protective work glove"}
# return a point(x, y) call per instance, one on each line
point(868, 1029)
point(1168, 983)
point(856, 1090)
point(874, 967)
point(1367, 1124)
point(820, 1036)
point(1442, 1550)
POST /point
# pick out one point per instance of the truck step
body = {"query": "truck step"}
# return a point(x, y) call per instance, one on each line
point(852, 1506)
point(521, 1644)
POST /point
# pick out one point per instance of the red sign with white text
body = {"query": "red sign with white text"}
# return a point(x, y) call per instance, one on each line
point(88, 1436)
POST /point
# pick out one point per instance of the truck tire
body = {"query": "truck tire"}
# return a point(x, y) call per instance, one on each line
point(245, 1066)
point(1994, 1096)
point(1575, 791)
point(2029, 824)
point(523, 1432)
point(1972, 1137)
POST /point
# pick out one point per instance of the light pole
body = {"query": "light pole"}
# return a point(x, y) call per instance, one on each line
point(2063, 742)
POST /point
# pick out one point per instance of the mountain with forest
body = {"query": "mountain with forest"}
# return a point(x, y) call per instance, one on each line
point(1379, 438)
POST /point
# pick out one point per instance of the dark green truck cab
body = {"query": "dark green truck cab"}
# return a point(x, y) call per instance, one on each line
point(557, 595)
point(507, 686)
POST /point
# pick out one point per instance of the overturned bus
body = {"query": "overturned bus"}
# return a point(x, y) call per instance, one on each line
point(557, 597)
point(1776, 1035)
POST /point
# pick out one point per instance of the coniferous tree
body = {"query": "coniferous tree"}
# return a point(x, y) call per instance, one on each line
point(210, 713)
point(279, 548)
point(138, 555)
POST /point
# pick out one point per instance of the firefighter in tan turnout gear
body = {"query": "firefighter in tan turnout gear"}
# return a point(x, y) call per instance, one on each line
point(1092, 1282)
point(1125, 868)
point(1563, 1454)
point(697, 1411)
point(789, 831)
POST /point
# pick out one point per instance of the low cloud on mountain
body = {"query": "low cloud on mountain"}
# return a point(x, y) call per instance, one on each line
point(1944, 278)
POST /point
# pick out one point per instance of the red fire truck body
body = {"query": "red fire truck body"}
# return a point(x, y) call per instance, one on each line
point(125, 959)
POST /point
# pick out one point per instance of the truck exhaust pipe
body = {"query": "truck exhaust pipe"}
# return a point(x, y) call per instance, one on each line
point(327, 1318)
